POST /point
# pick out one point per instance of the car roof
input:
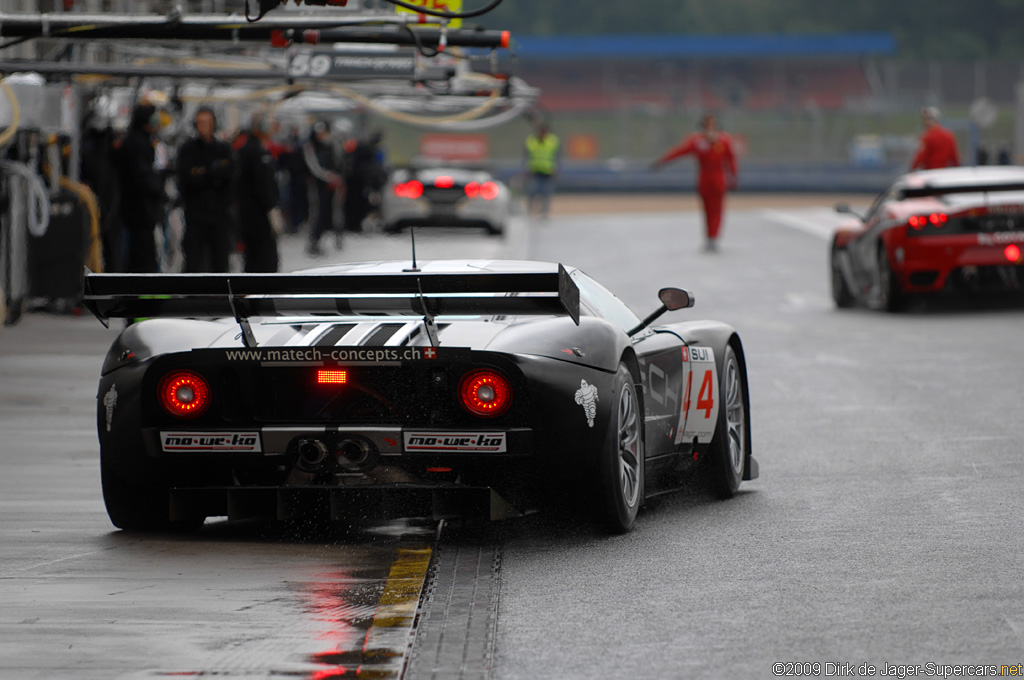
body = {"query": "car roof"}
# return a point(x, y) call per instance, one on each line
point(966, 176)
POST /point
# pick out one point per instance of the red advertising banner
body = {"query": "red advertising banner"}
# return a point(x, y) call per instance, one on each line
point(455, 147)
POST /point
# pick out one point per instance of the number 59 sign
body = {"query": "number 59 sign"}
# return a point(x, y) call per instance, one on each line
point(439, 5)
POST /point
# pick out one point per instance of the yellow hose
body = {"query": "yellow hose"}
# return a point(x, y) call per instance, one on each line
point(412, 119)
point(248, 96)
point(8, 134)
point(94, 256)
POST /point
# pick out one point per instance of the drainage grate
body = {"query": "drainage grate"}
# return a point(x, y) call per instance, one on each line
point(458, 615)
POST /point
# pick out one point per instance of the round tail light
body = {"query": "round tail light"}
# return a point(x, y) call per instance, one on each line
point(489, 191)
point(485, 393)
point(184, 394)
point(413, 189)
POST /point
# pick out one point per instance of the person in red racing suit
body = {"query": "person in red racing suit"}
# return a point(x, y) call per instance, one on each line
point(717, 166)
point(938, 145)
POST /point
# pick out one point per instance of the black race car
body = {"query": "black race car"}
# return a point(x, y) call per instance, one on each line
point(357, 391)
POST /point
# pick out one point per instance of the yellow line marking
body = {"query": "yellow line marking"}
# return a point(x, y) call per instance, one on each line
point(396, 609)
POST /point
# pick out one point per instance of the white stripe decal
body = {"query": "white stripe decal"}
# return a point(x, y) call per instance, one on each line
point(822, 231)
point(306, 340)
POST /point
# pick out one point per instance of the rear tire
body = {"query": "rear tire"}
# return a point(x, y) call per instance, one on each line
point(140, 508)
point(730, 447)
point(620, 479)
point(840, 290)
point(890, 296)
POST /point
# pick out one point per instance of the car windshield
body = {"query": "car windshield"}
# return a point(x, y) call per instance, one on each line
point(601, 302)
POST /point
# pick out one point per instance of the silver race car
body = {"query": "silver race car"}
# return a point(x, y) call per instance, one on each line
point(445, 197)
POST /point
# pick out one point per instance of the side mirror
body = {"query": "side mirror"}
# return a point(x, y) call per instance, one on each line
point(845, 209)
point(671, 299)
point(675, 298)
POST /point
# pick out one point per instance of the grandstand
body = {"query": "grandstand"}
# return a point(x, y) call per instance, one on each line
point(811, 111)
point(757, 73)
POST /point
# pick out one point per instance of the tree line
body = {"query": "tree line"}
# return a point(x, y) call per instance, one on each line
point(923, 29)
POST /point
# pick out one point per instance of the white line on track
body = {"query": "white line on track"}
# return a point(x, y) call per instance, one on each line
point(822, 231)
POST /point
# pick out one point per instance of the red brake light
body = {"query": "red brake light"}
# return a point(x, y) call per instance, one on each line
point(444, 182)
point(399, 189)
point(935, 219)
point(485, 393)
point(413, 188)
point(330, 376)
point(184, 394)
point(1012, 253)
point(489, 191)
point(472, 189)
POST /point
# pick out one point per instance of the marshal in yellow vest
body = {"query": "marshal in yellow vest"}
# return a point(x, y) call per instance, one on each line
point(541, 153)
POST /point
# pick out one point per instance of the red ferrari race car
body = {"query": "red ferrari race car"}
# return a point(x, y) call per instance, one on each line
point(931, 231)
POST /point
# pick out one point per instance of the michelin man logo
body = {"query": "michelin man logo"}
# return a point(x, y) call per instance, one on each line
point(586, 396)
point(110, 401)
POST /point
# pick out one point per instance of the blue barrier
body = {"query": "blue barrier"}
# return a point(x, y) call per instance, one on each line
point(753, 177)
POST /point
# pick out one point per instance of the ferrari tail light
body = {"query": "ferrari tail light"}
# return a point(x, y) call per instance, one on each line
point(935, 219)
point(444, 182)
point(472, 189)
point(485, 393)
point(184, 394)
point(1012, 253)
point(489, 191)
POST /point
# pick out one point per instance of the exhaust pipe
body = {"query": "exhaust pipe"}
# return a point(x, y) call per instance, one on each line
point(309, 460)
point(351, 456)
point(312, 454)
point(355, 455)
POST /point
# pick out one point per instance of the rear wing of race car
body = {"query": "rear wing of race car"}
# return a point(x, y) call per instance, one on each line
point(402, 294)
point(931, 190)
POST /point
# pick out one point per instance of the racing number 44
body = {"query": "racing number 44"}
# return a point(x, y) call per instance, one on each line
point(705, 395)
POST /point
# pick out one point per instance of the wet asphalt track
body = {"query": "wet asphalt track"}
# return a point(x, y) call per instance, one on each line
point(885, 527)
